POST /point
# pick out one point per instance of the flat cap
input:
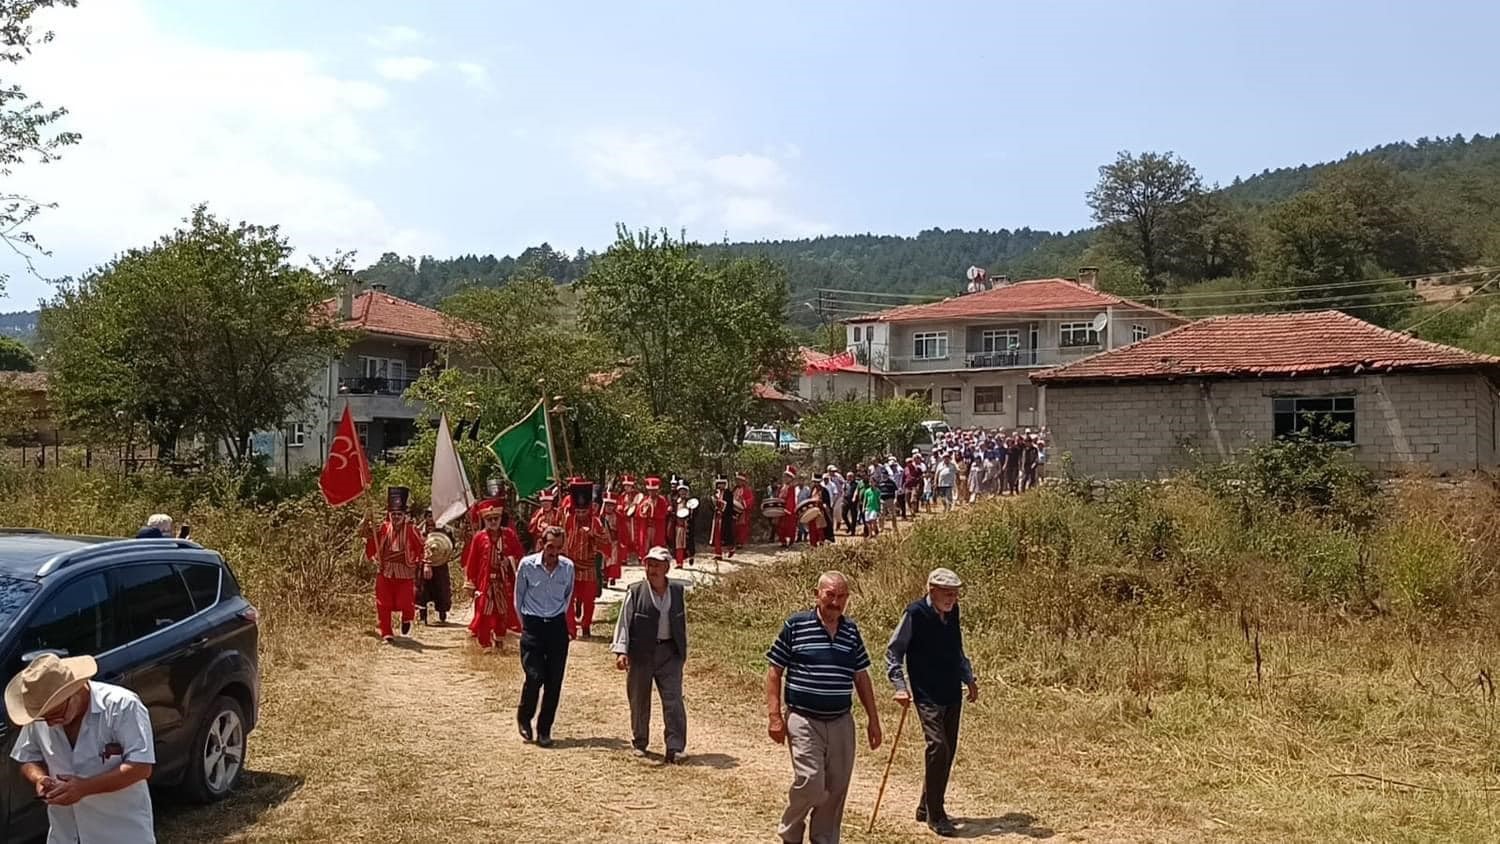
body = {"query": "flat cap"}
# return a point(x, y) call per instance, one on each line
point(944, 578)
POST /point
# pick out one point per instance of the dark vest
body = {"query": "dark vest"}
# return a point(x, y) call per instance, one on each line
point(933, 658)
point(645, 616)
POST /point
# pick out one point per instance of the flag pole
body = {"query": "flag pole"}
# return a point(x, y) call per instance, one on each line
point(547, 422)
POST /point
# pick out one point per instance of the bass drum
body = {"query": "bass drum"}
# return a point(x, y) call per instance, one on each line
point(439, 548)
point(772, 508)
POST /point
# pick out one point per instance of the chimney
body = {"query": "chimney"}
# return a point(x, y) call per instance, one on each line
point(1089, 277)
point(378, 287)
point(346, 293)
point(1002, 280)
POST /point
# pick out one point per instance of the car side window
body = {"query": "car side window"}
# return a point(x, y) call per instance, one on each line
point(77, 619)
point(202, 583)
point(149, 598)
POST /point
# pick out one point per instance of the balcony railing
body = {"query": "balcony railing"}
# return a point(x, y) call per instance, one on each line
point(1007, 357)
point(364, 385)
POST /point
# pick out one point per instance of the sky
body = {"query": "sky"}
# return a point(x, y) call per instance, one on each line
point(450, 127)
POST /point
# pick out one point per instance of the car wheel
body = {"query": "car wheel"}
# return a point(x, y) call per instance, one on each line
point(218, 752)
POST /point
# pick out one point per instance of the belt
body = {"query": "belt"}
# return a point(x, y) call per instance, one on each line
point(663, 641)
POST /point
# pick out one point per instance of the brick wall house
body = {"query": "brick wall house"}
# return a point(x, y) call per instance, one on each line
point(1219, 385)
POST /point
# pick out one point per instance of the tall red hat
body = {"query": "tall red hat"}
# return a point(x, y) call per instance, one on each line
point(627, 480)
point(485, 508)
point(653, 484)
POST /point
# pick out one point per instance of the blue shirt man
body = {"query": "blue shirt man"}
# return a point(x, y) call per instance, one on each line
point(544, 592)
point(540, 592)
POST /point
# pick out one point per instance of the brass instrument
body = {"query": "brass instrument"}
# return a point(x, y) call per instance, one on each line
point(635, 505)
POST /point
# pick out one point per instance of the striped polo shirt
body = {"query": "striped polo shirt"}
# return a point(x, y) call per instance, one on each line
point(819, 670)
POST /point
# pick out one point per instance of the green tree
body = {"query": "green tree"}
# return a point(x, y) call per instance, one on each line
point(853, 431)
point(209, 331)
point(698, 334)
point(27, 134)
point(15, 356)
point(1135, 199)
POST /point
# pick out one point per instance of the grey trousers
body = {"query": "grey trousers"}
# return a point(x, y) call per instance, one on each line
point(822, 765)
point(665, 670)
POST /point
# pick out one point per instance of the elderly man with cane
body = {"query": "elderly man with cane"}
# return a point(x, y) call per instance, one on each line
point(822, 659)
point(651, 645)
point(931, 643)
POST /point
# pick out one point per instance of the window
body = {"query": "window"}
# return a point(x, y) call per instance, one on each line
point(487, 374)
point(78, 620)
point(1323, 418)
point(1000, 339)
point(296, 435)
point(1071, 334)
point(929, 345)
point(1139, 333)
point(388, 374)
point(363, 429)
point(151, 597)
point(857, 335)
point(202, 583)
point(953, 399)
point(989, 399)
point(923, 396)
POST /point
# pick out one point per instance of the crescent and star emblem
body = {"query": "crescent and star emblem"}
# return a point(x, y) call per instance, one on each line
point(341, 452)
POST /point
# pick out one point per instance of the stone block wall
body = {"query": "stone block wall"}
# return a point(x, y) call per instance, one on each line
point(1439, 422)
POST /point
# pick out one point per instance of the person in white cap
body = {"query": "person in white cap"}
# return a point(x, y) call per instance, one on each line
point(86, 748)
point(931, 643)
point(651, 646)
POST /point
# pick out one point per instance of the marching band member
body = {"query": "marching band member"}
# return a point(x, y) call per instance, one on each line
point(651, 517)
point(490, 567)
point(545, 516)
point(680, 517)
point(396, 547)
point(744, 506)
point(786, 531)
point(726, 519)
point(625, 526)
point(816, 528)
point(584, 538)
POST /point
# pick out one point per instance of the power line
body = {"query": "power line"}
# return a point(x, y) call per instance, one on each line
point(1472, 295)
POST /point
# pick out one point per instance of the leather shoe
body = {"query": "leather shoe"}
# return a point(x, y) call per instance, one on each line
point(544, 740)
point(525, 730)
point(943, 828)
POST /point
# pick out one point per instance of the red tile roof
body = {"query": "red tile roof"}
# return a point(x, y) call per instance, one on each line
point(1268, 345)
point(1041, 294)
point(378, 312)
point(813, 356)
point(767, 392)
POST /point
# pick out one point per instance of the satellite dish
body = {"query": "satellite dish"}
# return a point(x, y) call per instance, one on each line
point(1101, 322)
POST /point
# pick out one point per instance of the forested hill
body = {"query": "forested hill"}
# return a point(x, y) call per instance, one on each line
point(1440, 165)
point(20, 325)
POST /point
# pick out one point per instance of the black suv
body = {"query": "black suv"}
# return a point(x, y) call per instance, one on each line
point(165, 619)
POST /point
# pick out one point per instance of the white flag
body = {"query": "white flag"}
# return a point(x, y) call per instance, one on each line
point(451, 495)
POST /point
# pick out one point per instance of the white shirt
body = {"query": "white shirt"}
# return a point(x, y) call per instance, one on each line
point(116, 716)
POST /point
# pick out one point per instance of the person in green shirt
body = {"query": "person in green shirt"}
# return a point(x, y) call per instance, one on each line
point(871, 497)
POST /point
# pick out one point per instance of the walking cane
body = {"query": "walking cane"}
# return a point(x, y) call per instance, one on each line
point(879, 795)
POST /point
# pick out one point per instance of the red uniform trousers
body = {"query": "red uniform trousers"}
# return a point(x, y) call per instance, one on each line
point(582, 612)
point(486, 625)
point(394, 594)
point(815, 534)
point(786, 529)
point(742, 532)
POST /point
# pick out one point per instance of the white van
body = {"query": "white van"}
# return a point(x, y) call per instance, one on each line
point(932, 431)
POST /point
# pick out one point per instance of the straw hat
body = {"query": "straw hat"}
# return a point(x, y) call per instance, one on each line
point(43, 684)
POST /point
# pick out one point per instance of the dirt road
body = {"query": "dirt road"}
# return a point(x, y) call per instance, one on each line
point(417, 742)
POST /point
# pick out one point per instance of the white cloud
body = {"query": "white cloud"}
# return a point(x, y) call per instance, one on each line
point(405, 68)
point(669, 177)
point(269, 136)
point(395, 38)
point(474, 74)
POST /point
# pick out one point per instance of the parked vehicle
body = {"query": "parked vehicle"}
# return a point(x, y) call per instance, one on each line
point(163, 618)
point(769, 438)
point(932, 431)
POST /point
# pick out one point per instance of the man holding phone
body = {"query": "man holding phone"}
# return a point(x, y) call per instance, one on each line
point(87, 748)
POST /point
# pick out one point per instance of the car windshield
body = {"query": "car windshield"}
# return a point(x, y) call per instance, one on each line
point(14, 596)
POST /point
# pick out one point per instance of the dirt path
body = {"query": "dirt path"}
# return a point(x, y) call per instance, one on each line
point(417, 742)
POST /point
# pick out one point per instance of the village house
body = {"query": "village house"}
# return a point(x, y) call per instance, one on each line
point(826, 377)
point(395, 340)
point(1218, 385)
point(971, 355)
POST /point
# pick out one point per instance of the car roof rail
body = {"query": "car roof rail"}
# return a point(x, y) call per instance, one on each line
point(88, 552)
point(23, 531)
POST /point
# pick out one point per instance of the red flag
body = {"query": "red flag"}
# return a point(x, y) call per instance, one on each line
point(346, 474)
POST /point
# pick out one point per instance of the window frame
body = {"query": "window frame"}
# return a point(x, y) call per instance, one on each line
point(111, 622)
point(296, 435)
point(943, 401)
point(920, 341)
point(858, 336)
point(1139, 332)
point(987, 336)
point(1067, 335)
point(1340, 405)
point(997, 406)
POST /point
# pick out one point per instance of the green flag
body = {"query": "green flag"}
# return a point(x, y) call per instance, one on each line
point(525, 453)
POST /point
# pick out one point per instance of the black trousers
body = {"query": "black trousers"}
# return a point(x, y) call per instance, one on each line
point(437, 591)
point(940, 728)
point(544, 658)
